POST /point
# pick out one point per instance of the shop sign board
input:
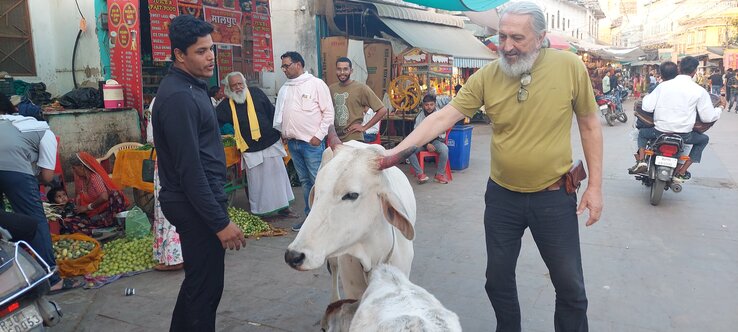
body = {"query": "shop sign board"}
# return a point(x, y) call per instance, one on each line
point(161, 13)
point(261, 28)
point(730, 58)
point(227, 24)
point(225, 61)
point(125, 50)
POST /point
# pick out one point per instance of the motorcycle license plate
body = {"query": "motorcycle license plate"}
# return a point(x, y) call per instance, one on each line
point(666, 161)
point(21, 321)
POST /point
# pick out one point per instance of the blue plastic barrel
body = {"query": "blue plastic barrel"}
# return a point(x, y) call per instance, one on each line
point(459, 146)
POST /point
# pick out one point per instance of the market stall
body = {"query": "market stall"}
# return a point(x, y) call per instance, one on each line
point(433, 71)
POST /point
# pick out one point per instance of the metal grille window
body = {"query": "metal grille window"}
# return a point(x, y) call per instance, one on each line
point(16, 45)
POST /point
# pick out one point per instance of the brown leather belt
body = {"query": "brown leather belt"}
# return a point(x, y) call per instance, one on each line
point(556, 185)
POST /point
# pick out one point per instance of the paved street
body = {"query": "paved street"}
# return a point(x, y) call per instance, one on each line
point(668, 268)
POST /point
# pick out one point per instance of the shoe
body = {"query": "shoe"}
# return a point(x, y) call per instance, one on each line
point(680, 178)
point(639, 167)
point(296, 227)
point(440, 178)
point(164, 267)
point(67, 284)
point(422, 178)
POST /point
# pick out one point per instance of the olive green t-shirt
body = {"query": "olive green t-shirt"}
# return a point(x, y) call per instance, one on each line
point(349, 103)
point(531, 140)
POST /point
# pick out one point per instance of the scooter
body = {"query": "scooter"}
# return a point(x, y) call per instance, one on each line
point(24, 283)
point(662, 157)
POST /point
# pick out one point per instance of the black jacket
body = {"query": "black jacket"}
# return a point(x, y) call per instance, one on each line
point(189, 150)
point(264, 113)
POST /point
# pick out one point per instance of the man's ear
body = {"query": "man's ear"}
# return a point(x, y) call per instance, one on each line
point(178, 55)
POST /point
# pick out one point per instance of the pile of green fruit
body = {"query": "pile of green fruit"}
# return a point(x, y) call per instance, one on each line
point(229, 141)
point(65, 249)
point(146, 147)
point(126, 255)
point(250, 224)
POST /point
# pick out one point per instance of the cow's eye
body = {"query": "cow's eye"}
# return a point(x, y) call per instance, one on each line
point(350, 196)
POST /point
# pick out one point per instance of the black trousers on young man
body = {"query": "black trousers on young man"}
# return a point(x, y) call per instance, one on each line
point(551, 217)
point(203, 256)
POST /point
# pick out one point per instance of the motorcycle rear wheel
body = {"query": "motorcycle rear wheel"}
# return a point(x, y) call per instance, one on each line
point(622, 117)
point(610, 118)
point(657, 190)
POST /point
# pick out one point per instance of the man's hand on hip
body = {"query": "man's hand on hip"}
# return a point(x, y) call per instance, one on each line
point(592, 200)
point(354, 128)
point(231, 237)
point(314, 141)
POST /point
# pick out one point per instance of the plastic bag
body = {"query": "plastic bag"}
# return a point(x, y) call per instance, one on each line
point(83, 265)
point(137, 223)
point(82, 98)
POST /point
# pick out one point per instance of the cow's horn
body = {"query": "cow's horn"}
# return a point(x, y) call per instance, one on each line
point(332, 138)
point(389, 161)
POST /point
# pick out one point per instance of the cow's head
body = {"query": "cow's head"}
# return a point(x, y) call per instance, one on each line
point(355, 196)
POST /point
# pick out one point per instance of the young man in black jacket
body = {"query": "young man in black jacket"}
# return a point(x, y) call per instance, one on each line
point(192, 172)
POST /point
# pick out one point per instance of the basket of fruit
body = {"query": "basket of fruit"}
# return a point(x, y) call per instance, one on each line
point(76, 254)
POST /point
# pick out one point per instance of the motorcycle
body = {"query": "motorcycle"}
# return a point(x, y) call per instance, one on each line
point(24, 283)
point(611, 107)
point(662, 157)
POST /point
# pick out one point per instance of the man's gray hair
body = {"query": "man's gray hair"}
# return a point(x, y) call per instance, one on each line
point(528, 8)
point(226, 86)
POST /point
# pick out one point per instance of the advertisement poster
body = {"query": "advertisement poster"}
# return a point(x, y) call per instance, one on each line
point(125, 50)
point(225, 61)
point(191, 7)
point(730, 58)
point(262, 36)
point(227, 24)
point(161, 12)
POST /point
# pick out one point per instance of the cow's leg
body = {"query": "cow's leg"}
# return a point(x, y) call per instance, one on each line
point(353, 279)
point(333, 269)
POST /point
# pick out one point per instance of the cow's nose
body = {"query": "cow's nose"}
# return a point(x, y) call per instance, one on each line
point(294, 258)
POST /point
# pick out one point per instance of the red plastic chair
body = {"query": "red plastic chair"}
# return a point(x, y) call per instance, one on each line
point(423, 154)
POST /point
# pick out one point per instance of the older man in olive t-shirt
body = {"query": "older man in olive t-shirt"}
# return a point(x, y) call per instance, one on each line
point(350, 100)
point(531, 94)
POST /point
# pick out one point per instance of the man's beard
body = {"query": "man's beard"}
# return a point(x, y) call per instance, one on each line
point(238, 97)
point(523, 65)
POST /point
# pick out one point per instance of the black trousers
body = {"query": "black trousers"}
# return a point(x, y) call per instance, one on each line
point(203, 257)
point(551, 217)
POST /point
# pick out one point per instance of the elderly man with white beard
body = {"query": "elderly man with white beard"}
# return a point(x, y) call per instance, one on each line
point(251, 114)
point(531, 94)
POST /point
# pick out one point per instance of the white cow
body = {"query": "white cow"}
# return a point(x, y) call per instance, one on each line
point(390, 303)
point(362, 214)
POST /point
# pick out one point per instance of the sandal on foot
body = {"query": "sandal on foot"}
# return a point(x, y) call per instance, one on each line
point(67, 284)
point(164, 267)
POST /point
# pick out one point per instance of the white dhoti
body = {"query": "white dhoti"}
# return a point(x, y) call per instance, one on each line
point(268, 183)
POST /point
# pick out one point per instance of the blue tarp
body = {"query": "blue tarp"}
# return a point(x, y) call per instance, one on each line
point(461, 5)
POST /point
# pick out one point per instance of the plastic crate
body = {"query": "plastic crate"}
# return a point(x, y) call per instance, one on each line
point(6, 86)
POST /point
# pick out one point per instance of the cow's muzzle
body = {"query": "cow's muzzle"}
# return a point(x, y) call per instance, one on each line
point(294, 259)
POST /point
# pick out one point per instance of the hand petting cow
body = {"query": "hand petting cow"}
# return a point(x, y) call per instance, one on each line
point(362, 214)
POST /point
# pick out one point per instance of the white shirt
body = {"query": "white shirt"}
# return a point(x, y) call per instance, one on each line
point(675, 104)
point(368, 117)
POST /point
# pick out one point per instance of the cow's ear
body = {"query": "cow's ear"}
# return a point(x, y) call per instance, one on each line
point(397, 219)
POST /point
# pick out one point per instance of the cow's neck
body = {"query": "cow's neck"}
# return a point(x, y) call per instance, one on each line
point(386, 256)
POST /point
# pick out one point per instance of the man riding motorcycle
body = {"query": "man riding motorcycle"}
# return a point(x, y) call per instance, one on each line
point(676, 104)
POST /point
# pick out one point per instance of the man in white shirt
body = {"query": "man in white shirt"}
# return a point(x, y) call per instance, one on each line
point(676, 104)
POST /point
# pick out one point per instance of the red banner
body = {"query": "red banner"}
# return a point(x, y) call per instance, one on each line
point(262, 33)
point(125, 51)
point(161, 12)
point(227, 24)
point(225, 61)
point(190, 7)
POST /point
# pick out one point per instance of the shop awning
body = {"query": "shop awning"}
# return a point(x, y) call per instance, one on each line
point(467, 50)
point(460, 5)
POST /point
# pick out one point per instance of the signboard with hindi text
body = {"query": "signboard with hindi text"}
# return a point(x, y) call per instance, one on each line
point(227, 24)
point(125, 49)
point(161, 13)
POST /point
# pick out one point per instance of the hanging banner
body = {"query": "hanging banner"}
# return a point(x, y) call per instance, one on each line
point(262, 36)
point(125, 49)
point(190, 7)
point(227, 24)
point(161, 13)
point(225, 61)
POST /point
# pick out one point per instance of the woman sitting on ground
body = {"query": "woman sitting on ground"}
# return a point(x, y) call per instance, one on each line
point(97, 196)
